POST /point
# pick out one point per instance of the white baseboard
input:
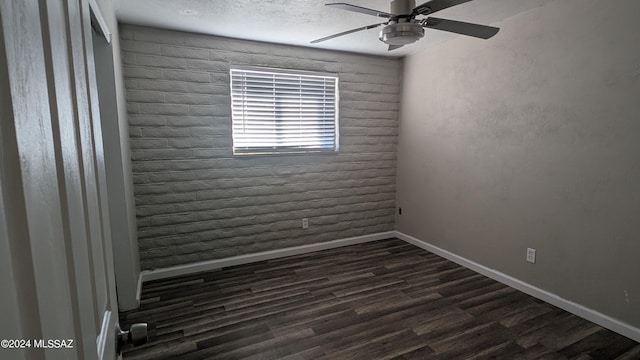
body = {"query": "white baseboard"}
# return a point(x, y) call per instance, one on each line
point(576, 309)
point(148, 275)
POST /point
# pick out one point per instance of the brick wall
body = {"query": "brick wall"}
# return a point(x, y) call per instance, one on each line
point(195, 201)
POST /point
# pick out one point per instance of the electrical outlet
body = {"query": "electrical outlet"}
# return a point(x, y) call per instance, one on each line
point(305, 223)
point(531, 255)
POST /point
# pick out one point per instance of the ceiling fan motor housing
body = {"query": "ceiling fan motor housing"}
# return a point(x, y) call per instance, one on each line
point(401, 33)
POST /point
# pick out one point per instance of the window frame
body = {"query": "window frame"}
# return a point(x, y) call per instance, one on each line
point(293, 149)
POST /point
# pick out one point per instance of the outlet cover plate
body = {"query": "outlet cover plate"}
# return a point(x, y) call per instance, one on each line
point(531, 255)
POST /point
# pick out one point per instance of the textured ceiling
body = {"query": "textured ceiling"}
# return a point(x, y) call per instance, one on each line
point(297, 22)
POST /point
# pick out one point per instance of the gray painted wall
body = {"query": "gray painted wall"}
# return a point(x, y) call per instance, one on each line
point(195, 201)
point(532, 139)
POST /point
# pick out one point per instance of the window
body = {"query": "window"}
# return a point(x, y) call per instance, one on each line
point(283, 111)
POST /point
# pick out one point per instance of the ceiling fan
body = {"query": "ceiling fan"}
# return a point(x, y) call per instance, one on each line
point(403, 28)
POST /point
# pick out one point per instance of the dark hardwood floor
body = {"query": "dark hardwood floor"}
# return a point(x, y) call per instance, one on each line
point(379, 300)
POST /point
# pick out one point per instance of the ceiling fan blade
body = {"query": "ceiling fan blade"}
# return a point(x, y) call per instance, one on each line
point(459, 27)
point(360, 9)
point(435, 5)
point(393, 47)
point(346, 32)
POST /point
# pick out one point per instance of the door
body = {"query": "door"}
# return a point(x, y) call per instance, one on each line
point(58, 299)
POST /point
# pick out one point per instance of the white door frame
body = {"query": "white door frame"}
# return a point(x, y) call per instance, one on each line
point(55, 241)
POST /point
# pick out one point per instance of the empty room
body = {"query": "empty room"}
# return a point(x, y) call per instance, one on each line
point(388, 179)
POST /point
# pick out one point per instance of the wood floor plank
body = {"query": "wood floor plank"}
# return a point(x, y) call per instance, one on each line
point(477, 340)
point(603, 344)
point(633, 353)
point(505, 350)
point(525, 313)
point(379, 300)
point(420, 353)
point(382, 347)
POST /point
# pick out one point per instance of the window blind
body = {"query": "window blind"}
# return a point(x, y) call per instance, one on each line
point(276, 111)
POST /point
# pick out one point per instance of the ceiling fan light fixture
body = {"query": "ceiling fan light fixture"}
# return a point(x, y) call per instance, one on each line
point(401, 33)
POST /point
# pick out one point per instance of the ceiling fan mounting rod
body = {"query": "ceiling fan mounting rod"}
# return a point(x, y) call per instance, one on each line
point(402, 7)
